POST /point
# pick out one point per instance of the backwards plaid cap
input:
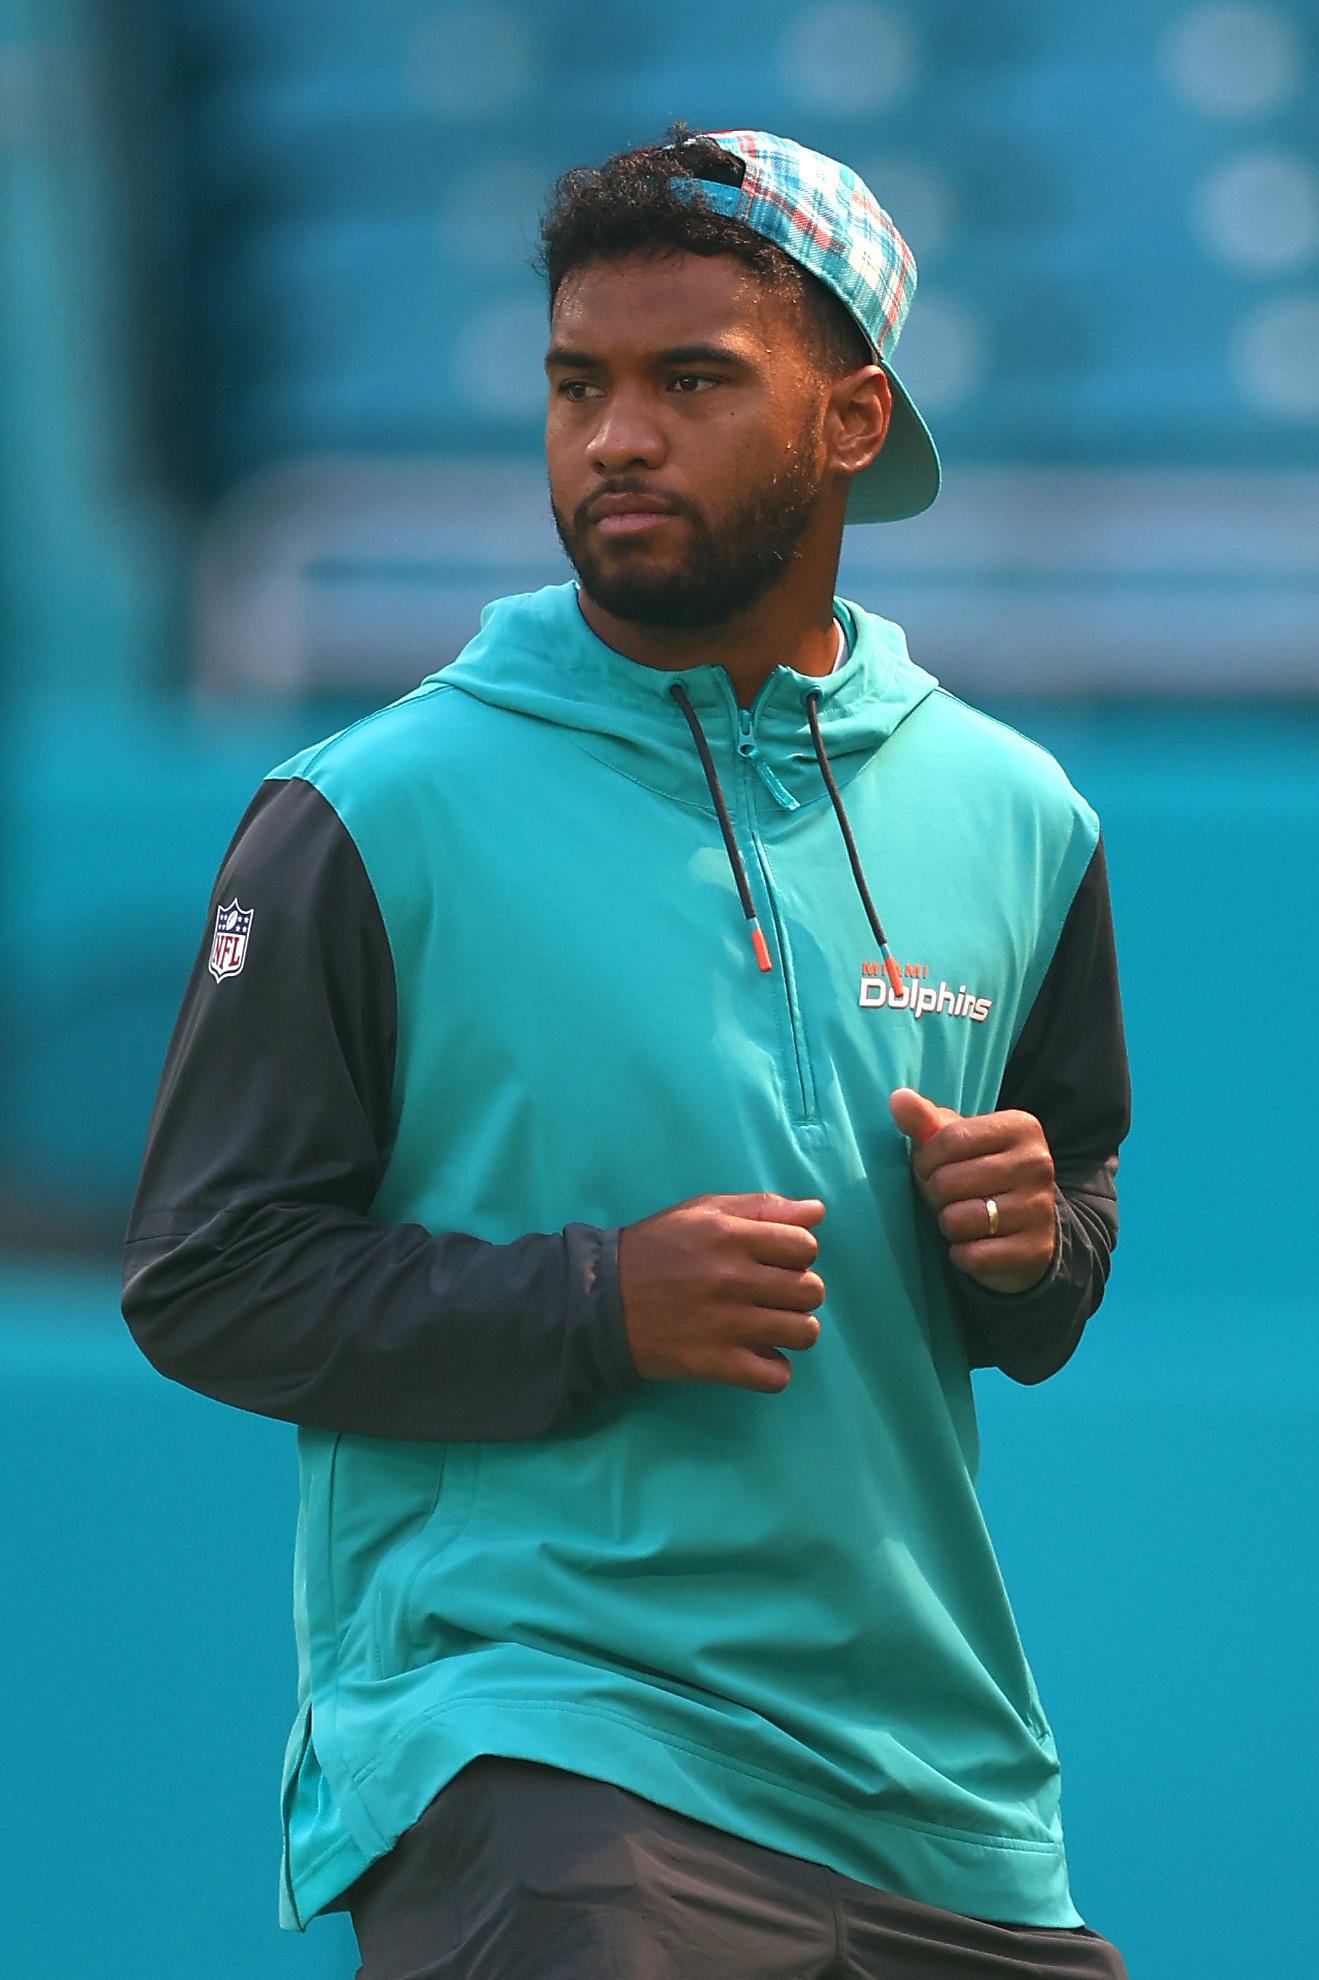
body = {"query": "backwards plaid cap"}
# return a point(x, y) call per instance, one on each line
point(829, 221)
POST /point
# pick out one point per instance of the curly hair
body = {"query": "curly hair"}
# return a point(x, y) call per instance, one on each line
point(629, 205)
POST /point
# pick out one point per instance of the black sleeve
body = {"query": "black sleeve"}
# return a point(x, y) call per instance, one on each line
point(252, 1270)
point(1069, 1069)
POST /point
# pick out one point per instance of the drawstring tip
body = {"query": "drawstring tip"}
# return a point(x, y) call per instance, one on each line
point(894, 975)
point(761, 947)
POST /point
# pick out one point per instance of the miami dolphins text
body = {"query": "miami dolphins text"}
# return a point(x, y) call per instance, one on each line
point(921, 999)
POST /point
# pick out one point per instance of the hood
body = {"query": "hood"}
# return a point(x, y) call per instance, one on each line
point(535, 654)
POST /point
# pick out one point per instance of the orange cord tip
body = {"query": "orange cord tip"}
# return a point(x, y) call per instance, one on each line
point(761, 947)
point(894, 975)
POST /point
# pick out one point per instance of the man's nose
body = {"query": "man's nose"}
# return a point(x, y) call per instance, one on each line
point(627, 436)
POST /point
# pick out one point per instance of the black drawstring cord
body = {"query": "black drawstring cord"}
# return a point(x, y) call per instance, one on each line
point(758, 941)
point(890, 967)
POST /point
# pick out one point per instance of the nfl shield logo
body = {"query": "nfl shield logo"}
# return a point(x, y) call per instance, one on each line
point(229, 948)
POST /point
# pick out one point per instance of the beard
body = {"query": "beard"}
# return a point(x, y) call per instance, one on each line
point(728, 566)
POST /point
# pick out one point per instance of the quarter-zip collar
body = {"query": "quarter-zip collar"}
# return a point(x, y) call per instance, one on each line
point(536, 655)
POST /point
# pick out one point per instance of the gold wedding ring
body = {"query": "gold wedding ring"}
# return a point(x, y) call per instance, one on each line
point(991, 1211)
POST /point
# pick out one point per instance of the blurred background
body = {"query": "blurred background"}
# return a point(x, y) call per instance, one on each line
point(270, 401)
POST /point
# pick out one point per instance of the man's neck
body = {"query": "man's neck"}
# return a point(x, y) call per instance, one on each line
point(747, 652)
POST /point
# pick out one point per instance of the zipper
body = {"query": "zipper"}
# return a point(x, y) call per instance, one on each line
point(750, 760)
point(749, 753)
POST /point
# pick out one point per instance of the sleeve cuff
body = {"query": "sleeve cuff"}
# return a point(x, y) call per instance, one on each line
point(595, 1304)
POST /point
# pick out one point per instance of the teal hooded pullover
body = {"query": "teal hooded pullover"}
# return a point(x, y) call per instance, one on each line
point(779, 1615)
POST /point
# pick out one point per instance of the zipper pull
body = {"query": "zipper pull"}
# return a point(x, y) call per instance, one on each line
point(746, 747)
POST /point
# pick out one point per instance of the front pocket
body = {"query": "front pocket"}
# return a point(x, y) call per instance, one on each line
point(401, 1641)
point(384, 1498)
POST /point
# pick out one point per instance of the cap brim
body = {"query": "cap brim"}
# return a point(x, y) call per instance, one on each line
point(903, 479)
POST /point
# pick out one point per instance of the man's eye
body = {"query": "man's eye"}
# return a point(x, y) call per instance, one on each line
point(577, 389)
point(691, 381)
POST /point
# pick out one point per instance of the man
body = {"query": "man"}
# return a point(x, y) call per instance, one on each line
point(540, 1052)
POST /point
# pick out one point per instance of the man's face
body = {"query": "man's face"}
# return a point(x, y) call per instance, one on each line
point(684, 436)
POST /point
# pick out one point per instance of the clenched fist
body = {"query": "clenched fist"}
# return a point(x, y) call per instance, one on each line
point(963, 1162)
point(714, 1288)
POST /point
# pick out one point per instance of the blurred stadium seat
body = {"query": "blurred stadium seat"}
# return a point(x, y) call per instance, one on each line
point(1116, 217)
point(358, 571)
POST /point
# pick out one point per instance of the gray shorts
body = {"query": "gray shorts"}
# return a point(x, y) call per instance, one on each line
point(521, 1872)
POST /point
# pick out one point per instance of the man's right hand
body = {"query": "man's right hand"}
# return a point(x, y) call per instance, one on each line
point(714, 1288)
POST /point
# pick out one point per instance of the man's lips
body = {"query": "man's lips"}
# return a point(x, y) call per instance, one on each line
point(629, 515)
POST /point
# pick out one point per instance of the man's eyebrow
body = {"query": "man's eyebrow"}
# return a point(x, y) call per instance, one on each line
point(701, 354)
point(565, 359)
point(572, 360)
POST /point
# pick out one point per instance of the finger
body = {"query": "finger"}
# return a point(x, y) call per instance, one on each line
point(771, 1327)
point(963, 1138)
point(915, 1116)
point(1016, 1171)
point(784, 1292)
point(765, 1208)
point(767, 1329)
point(786, 1245)
point(967, 1220)
point(768, 1374)
point(1006, 1265)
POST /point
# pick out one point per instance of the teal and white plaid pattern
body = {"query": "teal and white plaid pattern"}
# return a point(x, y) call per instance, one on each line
point(828, 220)
point(821, 214)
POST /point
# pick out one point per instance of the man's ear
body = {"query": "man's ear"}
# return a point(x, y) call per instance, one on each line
point(857, 420)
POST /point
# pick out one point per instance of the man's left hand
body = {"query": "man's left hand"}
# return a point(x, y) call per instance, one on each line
point(962, 1163)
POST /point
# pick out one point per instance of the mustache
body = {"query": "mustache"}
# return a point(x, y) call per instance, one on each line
point(631, 484)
